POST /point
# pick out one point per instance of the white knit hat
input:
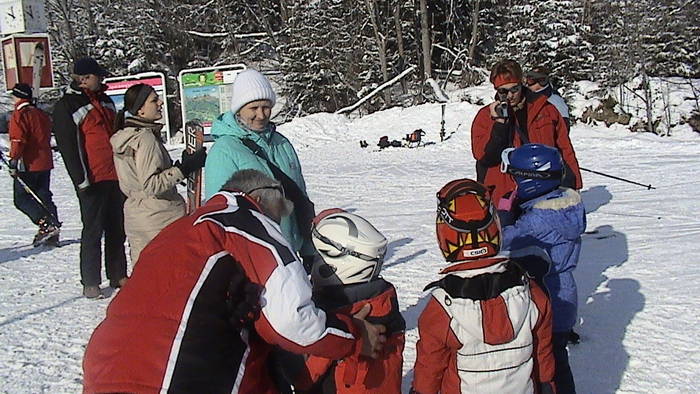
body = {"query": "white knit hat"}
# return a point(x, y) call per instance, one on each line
point(251, 85)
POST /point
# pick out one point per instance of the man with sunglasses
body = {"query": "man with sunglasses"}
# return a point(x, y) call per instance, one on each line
point(515, 118)
point(537, 80)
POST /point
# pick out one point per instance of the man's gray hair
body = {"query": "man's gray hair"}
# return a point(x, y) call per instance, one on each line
point(249, 179)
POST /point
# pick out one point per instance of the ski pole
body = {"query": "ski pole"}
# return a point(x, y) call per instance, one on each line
point(649, 187)
point(31, 192)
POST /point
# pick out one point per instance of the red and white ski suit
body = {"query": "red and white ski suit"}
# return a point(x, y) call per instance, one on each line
point(168, 328)
point(498, 345)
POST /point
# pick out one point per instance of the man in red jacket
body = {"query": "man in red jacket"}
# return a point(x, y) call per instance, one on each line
point(209, 298)
point(31, 161)
point(83, 120)
point(517, 117)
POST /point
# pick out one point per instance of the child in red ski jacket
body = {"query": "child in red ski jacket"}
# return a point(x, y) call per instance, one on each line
point(346, 280)
point(486, 327)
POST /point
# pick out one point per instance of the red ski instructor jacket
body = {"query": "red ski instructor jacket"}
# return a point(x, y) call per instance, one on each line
point(544, 126)
point(169, 330)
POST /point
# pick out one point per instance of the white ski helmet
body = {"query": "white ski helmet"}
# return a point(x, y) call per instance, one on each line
point(352, 249)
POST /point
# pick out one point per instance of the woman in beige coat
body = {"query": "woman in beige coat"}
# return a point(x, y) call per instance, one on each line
point(147, 175)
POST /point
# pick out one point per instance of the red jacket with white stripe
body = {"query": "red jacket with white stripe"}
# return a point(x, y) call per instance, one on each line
point(475, 344)
point(30, 137)
point(168, 329)
point(83, 124)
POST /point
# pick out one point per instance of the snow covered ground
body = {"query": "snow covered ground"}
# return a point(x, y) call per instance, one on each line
point(641, 257)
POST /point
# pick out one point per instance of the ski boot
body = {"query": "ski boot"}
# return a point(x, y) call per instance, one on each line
point(47, 234)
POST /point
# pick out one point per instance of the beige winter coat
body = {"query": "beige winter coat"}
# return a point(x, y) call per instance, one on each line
point(148, 178)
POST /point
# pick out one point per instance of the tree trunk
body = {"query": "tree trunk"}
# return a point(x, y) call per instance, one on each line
point(381, 47)
point(90, 18)
point(475, 32)
point(399, 43)
point(425, 39)
point(648, 102)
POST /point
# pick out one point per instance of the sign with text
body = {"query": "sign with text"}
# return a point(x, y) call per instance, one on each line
point(206, 93)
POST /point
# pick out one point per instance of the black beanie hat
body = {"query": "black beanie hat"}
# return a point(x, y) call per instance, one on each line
point(88, 65)
point(23, 91)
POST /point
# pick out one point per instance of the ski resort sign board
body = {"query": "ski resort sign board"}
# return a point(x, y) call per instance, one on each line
point(18, 53)
point(206, 92)
point(117, 86)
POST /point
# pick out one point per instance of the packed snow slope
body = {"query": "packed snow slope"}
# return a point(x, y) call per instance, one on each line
point(637, 275)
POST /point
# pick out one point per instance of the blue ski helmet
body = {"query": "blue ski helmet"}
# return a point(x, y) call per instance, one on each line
point(536, 168)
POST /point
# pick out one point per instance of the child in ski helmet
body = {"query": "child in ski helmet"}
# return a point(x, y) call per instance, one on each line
point(347, 279)
point(553, 218)
point(486, 328)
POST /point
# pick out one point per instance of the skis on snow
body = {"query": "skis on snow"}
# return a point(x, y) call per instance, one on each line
point(194, 139)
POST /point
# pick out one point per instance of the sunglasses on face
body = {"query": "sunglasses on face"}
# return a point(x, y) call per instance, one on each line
point(505, 91)
point(279, 188)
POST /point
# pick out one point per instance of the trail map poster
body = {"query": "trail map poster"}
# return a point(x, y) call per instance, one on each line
point(206, 93)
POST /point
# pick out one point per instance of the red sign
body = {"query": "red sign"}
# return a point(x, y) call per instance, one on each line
point(18, 59)
point(126, 84)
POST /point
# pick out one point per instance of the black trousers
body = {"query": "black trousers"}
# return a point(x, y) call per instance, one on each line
point(39, 182)
point(102, 212)
point(563, 378)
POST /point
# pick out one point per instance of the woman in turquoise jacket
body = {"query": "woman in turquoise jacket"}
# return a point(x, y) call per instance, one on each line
point(249, 118)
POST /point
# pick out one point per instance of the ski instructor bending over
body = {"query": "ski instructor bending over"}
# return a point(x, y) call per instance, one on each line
point(515, 118)
point(206, 321)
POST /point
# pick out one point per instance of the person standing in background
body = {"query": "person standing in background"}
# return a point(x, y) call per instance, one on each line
point(31, 160)
point(83, 120)
point(537, 80)
point(517, 117)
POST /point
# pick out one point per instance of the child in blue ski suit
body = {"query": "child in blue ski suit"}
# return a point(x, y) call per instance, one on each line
point(551, 218)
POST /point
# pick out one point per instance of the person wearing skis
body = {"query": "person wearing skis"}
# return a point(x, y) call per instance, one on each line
point(83, 120)
point(486, 327)
point(147, 175)
point(31, 161)
point(517, 117)
point(537, 80)
point(209, 298)
point(249, 120)
point(552, 218)
point(344, 281)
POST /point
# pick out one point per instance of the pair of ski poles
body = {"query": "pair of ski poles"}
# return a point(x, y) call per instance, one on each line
point(30, 191)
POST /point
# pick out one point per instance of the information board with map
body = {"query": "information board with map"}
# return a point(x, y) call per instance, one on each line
point(206, 93)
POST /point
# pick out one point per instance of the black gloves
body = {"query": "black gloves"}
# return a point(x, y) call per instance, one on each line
point(12, 167)
point(191, 161)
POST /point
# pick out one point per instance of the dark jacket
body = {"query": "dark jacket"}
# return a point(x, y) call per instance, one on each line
point(30, 137)
point(544, 126)
point(359, 374)
point(83, 124)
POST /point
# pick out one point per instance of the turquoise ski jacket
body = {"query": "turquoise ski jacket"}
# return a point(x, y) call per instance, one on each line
point(228, 155)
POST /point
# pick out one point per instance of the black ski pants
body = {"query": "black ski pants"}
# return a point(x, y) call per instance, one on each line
point(102, 212)
point(39, 182)
point(563, 378)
